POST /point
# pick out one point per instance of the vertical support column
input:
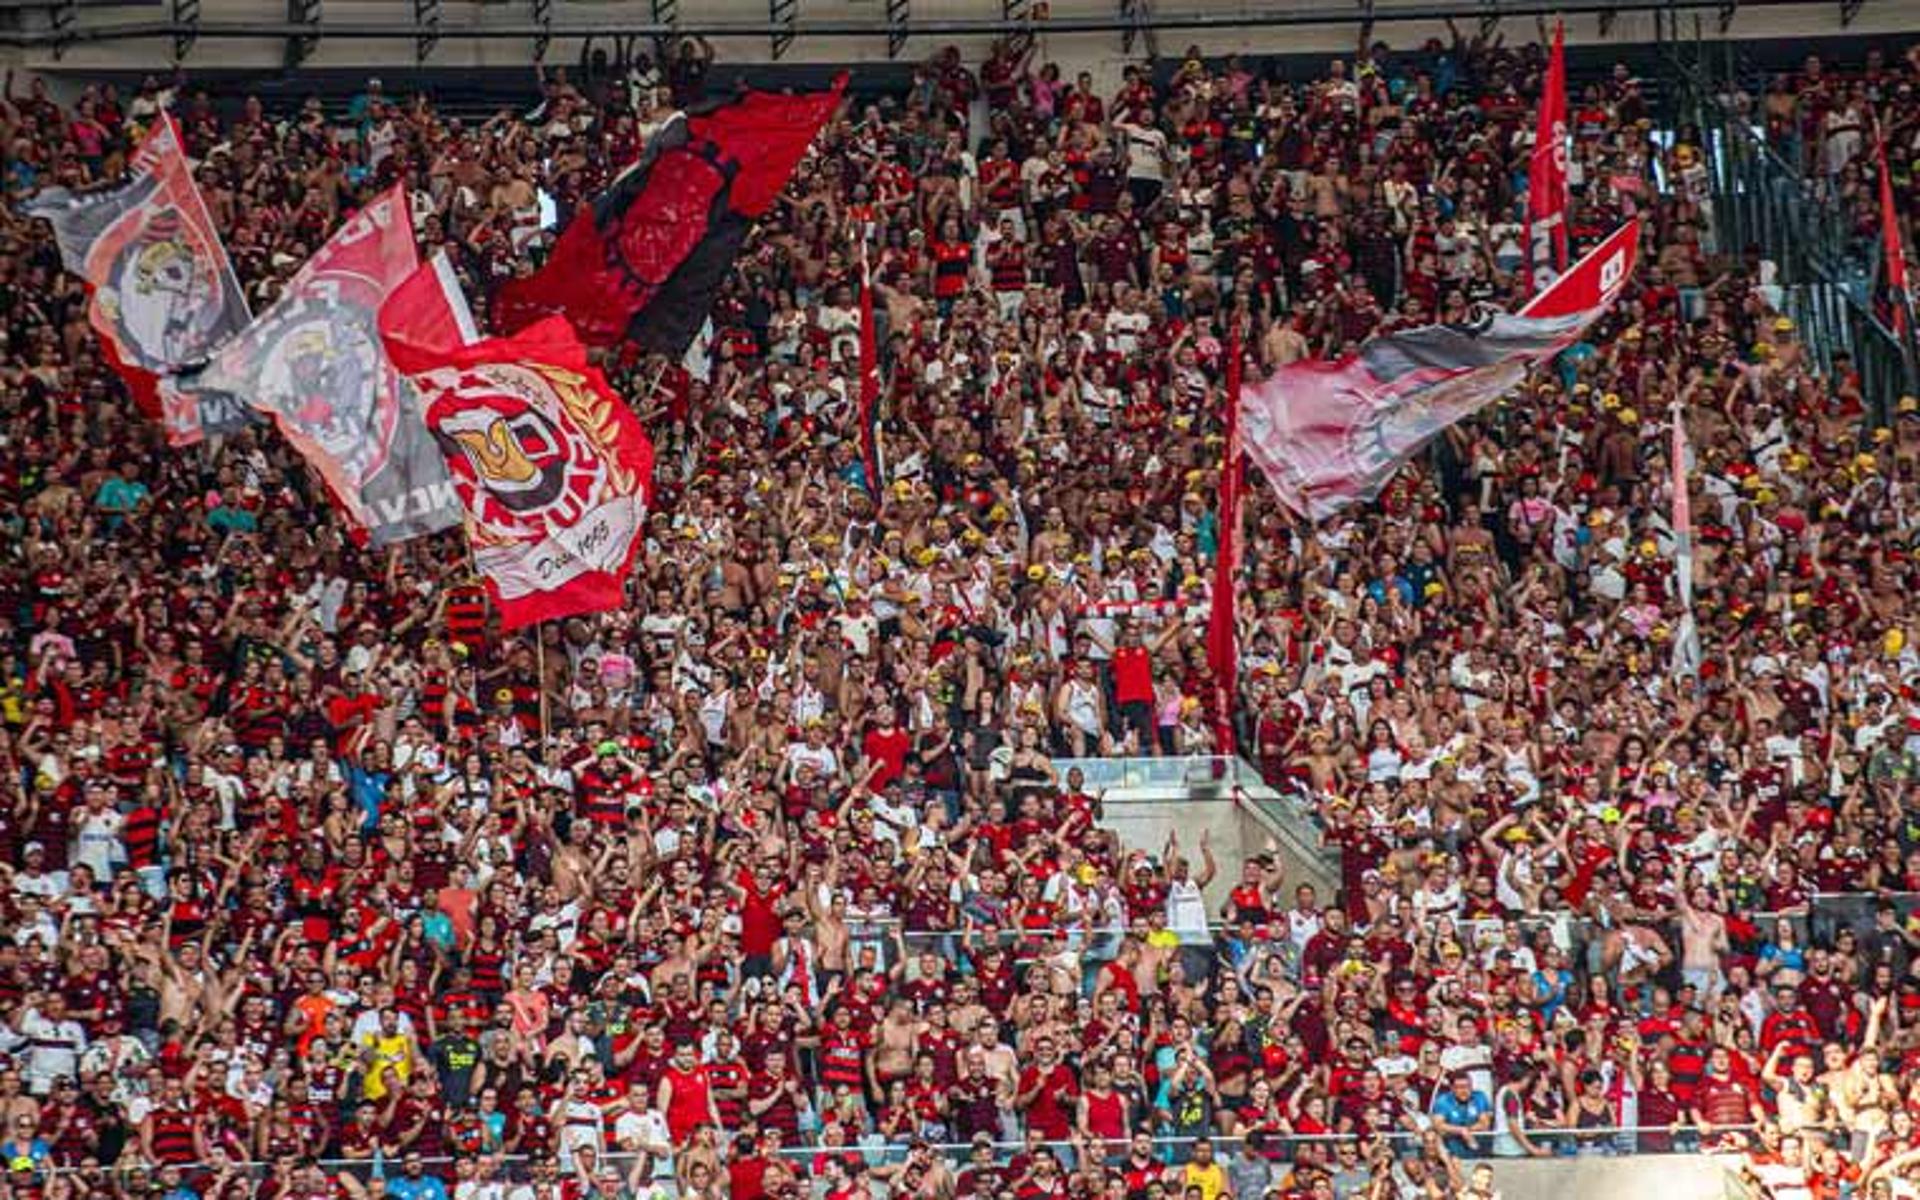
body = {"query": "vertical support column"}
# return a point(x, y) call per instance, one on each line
point(426, 24)
point(897, 12)
point(543, 17)
point(186, 27)
point(782, 14)
point(301, 46)
point(665, 13)
point(65, 16)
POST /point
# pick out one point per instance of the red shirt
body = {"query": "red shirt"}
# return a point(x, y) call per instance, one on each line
point(1132, 675)
point(1048, 1112)
point(691, 1104)
point(889, 750)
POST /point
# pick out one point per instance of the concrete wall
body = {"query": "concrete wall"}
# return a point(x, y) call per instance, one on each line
point(1099, 52)
point(1239, 829)
point(1652, 1177)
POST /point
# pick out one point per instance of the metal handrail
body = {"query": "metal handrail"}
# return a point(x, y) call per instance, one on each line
point(1760, 198)
point(1166, 1147)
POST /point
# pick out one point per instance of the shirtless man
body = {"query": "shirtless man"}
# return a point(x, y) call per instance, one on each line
point(830, 933)
point(736, 590)
point(1703, 939)
point(895, 1044)
point(1003, 1065)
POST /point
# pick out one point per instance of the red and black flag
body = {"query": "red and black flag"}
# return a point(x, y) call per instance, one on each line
point(1890, 242)
point(644, 262)
point(162, 294)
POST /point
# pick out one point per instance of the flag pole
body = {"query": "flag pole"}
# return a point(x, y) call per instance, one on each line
point(1222, 615)
point(540, 668)
point(870, 393)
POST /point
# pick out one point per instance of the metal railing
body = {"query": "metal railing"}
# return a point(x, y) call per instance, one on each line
point(1291, 818)
point(1170, 1150)
point(1760, 198)
point(1168, 771)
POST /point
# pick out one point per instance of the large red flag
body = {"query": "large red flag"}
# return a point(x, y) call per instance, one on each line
point(1894, 246)
point(644, 262)
point(1547, 173)
point(314, 364)
point(869, 377)
point(552, 467)
point(162, 293)
point(1329, 434)
point(1222, 652)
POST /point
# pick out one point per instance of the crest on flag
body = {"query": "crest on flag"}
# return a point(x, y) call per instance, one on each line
point(532, 441)
point(322, 375)
point(551, 466)
point(159, 272)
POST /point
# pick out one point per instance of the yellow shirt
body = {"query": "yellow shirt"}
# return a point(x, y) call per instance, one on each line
point(1210, 1179)
point(392, 1054)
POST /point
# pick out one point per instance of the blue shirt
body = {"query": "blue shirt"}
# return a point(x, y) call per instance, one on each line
point(25, 1156)
point(369, 790)
point(1454, 1111)
point(233, 520)
point(118, 495)
point(406, 1187)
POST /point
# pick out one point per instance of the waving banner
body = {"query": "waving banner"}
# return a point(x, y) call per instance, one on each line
point(163, 293)
point(644, 261)
point(1330, 434)
point(1547, 172)
point(552, 469)
point(314, 363)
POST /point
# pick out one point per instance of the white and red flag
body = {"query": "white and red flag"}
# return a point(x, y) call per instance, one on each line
point(1547, 174)
point(1330, 434)
point(550, 464)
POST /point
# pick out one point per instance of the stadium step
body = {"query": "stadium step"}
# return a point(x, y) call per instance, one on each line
point(1145, 799)
point(1823, 274)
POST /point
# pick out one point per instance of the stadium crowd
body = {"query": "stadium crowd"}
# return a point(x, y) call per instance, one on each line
point(766, 884)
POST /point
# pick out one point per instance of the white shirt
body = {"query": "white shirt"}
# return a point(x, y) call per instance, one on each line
point(821, 758)
point(1124, 329)
point(1146, 153)
point(1187, 911)
point(48, 885)
point(644, 1129)
point(583, 1126)
point(96, 842)
point(53, 1050)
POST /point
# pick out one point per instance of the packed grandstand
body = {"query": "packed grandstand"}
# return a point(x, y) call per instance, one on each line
point(766, 881)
